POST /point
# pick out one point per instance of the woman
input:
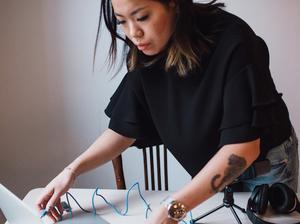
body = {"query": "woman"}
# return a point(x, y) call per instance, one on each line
point(199, 82)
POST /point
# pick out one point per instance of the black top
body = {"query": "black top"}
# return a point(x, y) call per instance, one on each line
point(231, 100)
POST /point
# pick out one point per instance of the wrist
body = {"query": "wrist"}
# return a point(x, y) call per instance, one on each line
point(162, 216)
point(176, 210)
point(72, 171)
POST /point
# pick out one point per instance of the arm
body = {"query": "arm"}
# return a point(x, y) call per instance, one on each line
point(225, 166)
point(109, 145)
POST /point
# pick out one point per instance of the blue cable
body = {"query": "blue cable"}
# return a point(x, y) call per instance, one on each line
point(185, 222)
point(126, 202)
point(93, 202)
point(71, 213)
point(119, 212)
point(191, 215)
point(68, 201)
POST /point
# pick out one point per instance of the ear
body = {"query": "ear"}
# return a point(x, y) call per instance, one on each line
point(173, 4)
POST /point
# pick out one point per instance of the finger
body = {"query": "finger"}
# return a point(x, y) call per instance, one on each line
point(59, 207)
point(55, 214)
point(44, 198)
point(53, 200)
point(49, 214)
point(39, 207)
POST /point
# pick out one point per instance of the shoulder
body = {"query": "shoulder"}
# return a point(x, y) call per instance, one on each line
point(135, 80)
point(236, 45)
point(233, 34)
point(225, 27)
point(244, 42)
point(129, 82)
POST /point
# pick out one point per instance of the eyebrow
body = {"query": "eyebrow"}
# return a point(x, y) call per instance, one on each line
point(133, 12)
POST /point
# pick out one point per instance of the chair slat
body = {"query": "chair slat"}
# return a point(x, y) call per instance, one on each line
point(152, 169)
point(148, 171)
point(166, 168)
point(119, 175)
point(145, 169)
point(158, 168)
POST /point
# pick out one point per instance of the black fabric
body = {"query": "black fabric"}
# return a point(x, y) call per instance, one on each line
point(233, 99)
point(130, 115)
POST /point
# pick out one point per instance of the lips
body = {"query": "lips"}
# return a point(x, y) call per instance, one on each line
point(142, 46)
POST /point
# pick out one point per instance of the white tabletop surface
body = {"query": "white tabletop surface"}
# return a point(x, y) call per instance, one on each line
point(136, 213)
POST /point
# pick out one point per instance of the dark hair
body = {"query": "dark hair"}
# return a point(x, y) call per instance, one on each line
point(186, 47)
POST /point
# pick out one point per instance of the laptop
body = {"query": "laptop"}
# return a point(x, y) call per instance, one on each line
point(17, 211)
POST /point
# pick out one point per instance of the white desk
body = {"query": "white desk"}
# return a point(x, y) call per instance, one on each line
point(136, 213)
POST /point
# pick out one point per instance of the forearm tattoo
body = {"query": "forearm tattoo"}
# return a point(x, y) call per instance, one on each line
point(236, 164)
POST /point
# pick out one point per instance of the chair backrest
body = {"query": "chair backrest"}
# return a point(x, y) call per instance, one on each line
point(149, 177)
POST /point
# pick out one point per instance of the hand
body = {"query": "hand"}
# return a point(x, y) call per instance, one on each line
point(160, 216)
point(50, 198)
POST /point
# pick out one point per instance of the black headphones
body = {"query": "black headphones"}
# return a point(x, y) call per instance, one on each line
point(283, 200)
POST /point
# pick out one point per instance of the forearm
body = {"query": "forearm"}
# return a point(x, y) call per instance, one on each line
point(108, 146)
point(221, 170)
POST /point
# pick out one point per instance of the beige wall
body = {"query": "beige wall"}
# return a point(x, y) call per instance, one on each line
point(52, 105)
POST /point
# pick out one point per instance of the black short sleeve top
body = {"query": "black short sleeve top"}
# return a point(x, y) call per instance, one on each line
point(233, 99)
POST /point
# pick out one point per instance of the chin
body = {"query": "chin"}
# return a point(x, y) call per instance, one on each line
point(151, 52)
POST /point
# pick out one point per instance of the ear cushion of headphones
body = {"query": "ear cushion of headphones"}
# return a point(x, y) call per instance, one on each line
point(282, 198)
point(260, 199)
point(279, 196)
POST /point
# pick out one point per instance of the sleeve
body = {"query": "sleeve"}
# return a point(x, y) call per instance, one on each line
point(129, 116)
point(251, 103)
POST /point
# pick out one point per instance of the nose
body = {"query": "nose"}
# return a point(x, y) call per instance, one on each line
point(136, 32)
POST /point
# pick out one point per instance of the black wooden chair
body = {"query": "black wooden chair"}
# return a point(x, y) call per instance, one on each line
point(148, 177)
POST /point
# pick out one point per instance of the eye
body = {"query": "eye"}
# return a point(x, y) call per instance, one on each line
point(120, 22)
point(143, 18)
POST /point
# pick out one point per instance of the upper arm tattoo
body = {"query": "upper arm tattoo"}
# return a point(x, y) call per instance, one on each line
point(235, 165)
